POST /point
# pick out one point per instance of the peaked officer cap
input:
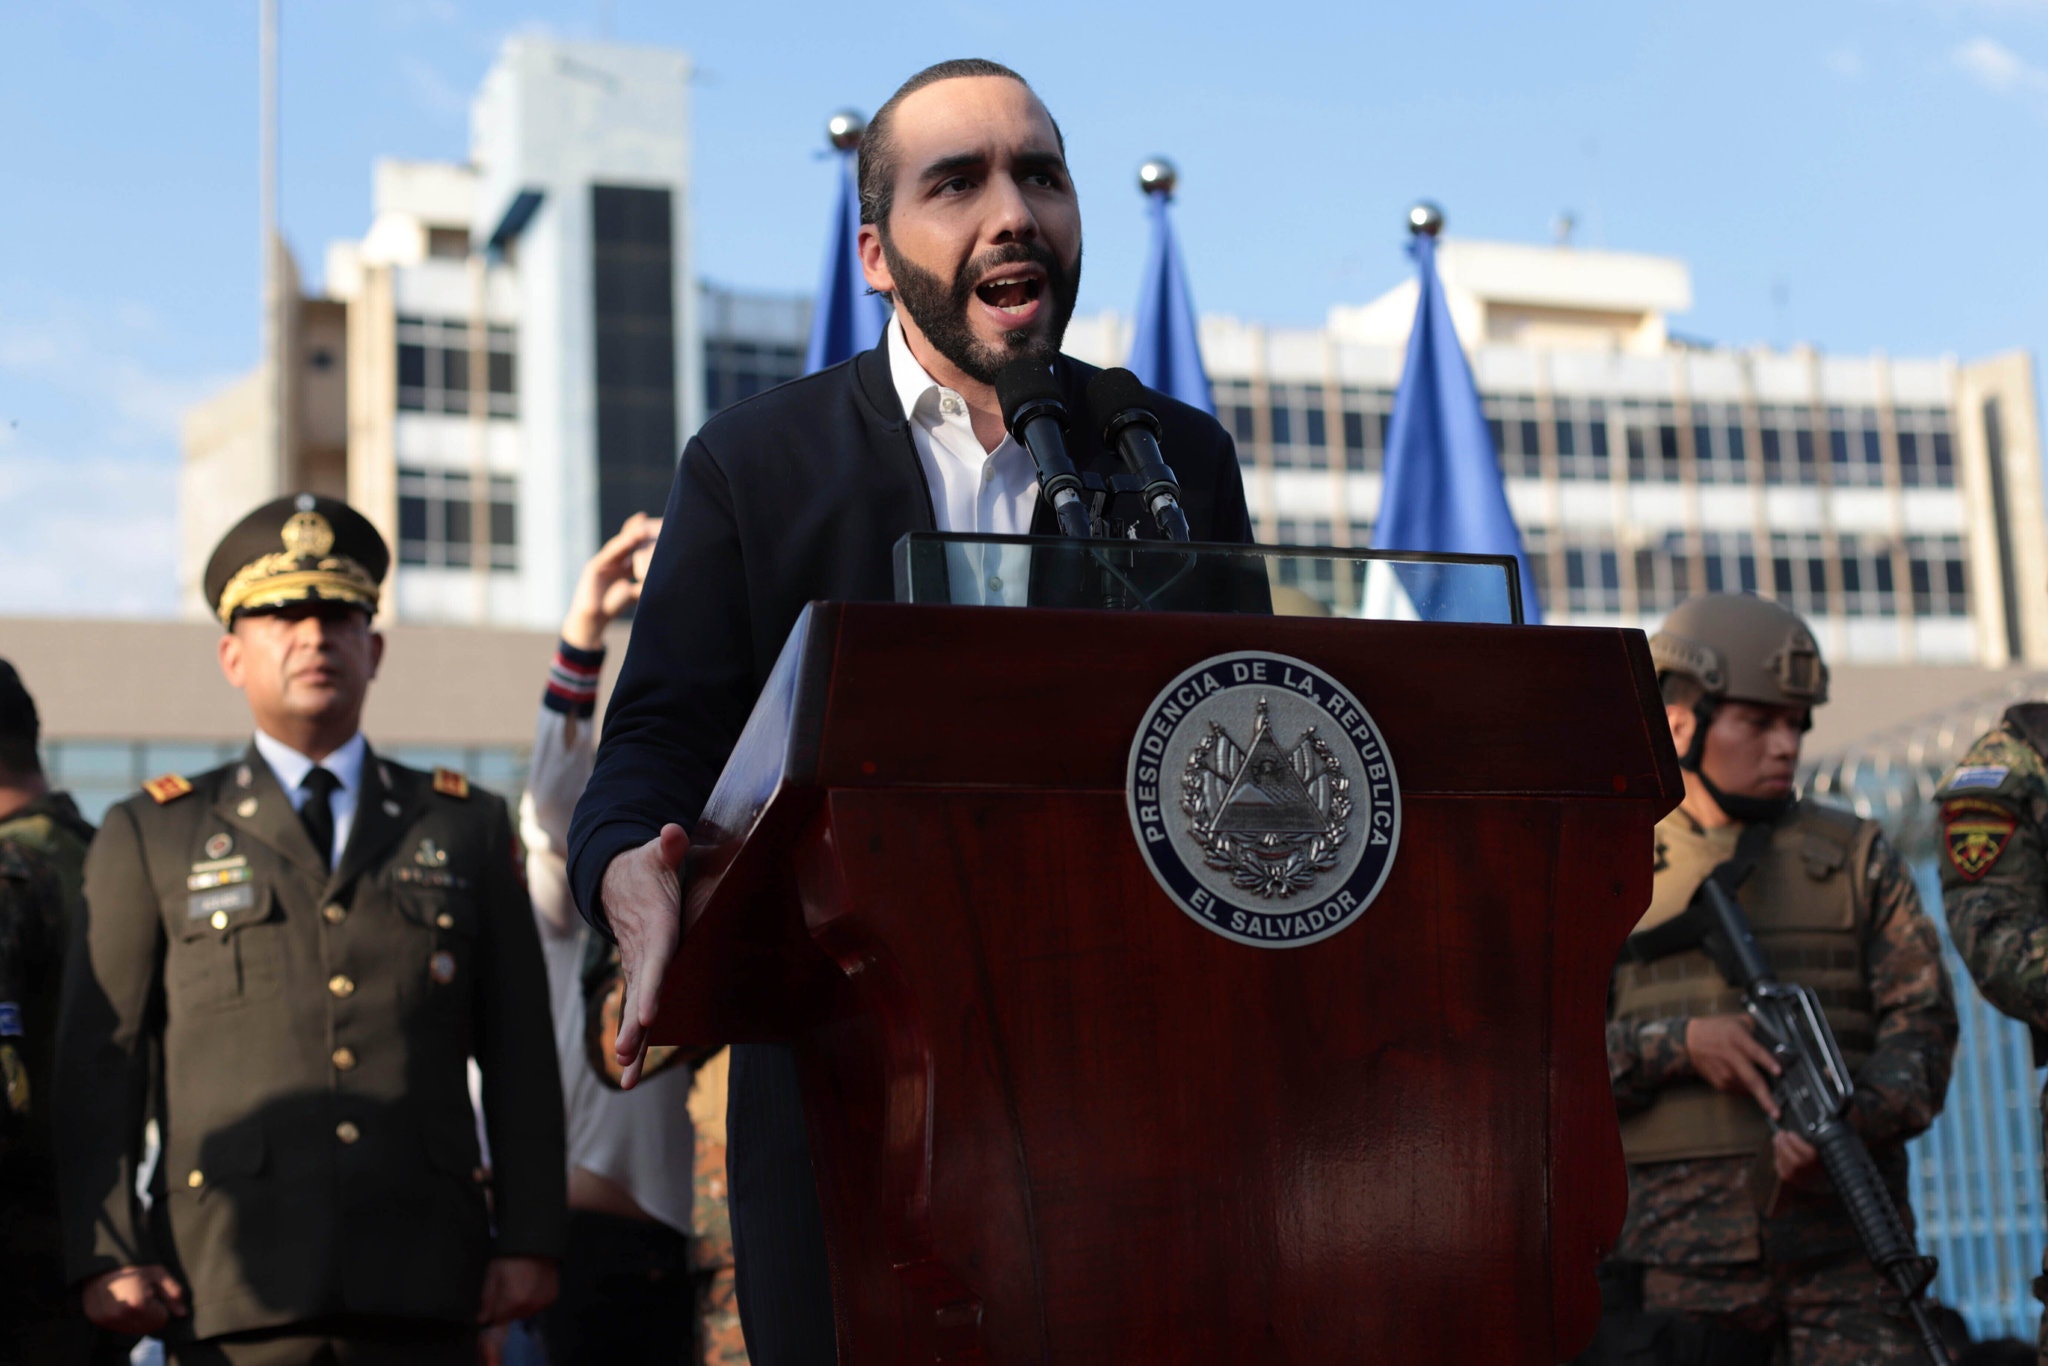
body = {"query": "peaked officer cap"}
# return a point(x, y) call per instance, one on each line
point(299, 548)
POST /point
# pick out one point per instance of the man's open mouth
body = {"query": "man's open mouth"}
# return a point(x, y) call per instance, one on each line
point(1011, 293)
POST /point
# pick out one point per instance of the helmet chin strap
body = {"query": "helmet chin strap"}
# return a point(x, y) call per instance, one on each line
point(1748, 810)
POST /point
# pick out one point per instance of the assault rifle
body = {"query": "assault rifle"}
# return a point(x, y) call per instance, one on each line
point(1813, 1092)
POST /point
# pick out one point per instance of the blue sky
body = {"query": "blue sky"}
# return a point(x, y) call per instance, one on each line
point(1865, 175)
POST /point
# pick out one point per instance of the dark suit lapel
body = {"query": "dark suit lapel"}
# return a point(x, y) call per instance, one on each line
point(251, 799)
point(384, 808)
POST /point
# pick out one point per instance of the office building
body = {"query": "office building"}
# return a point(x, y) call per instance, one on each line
point(1897, 502)
point(503, 366)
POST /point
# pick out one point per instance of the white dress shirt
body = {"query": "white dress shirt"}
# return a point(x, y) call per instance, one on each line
point(346, 764)
point(975, 491)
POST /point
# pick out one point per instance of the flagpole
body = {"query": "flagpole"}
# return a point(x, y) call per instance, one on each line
point(270, 361)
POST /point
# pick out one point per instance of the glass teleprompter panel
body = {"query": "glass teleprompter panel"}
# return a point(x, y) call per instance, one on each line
point(1164, 576)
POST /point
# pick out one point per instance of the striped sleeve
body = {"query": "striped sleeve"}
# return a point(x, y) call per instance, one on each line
point(572, 680)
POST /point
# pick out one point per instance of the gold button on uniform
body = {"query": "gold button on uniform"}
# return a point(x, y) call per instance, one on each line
point(333, 914)
point(195, 1178)
point(219, 920)
point(445, 921)
point(347, 1131)
point(344, 1059)
point(341, 985)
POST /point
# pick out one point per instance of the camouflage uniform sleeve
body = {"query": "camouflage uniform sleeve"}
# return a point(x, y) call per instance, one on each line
point(1643, 1057)
point(1901, 1086)
point(1994, 874)
point(25, 889)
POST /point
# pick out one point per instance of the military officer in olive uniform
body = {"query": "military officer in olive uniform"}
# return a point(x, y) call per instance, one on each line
point(313, 941)
point(1736, 1240)
point(1994, 878)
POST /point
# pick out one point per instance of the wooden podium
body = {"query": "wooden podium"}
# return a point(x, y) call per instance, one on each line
point(1055, 1120)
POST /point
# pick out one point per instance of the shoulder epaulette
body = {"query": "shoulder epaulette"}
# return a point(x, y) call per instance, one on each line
point(449, 783)
point(167, 788)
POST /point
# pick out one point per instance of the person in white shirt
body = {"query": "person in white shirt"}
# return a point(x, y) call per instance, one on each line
point(627, 1277)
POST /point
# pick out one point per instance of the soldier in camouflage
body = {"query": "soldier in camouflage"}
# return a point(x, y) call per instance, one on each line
point(1740, 1249)
point(43, 841)
point(1994, 876)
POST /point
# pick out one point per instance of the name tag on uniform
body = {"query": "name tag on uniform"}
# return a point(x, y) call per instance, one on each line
point(226, 899)
point(430, 877)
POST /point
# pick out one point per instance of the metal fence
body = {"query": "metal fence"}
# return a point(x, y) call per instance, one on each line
point(1977, 1174)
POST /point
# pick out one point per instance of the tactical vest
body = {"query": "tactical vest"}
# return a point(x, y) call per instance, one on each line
point(1808, 902)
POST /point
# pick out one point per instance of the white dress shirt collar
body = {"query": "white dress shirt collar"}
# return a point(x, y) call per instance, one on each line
point(291, 767)
point(975, 491)
point(346, 764)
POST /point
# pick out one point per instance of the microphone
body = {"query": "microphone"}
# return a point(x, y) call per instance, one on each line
point(1037, 416)
point(1117, 400)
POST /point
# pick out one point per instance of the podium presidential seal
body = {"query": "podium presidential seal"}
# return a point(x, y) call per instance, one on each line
point(1264, 799)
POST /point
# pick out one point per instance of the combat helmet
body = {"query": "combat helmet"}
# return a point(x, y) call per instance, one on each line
point(1739, 648)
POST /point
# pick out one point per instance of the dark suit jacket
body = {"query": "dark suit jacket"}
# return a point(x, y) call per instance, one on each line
point(795, 495)
point(311, 1034)
point(798, 494)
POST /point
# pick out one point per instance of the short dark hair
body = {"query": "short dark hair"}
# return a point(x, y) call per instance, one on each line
point(20, 727)
point(877, 156)
point(1679, 690)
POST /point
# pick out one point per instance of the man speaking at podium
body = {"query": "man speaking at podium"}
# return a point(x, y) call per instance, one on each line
point(971, 227)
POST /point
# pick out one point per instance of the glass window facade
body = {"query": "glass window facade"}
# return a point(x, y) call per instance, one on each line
point(633, 279)
point(738, 367)
point(437, 517)
point(433, 367)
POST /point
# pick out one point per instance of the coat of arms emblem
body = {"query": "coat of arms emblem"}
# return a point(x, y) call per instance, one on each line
point(1275, 820)
point(1264, 799)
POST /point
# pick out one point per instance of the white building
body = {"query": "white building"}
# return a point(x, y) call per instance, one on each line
point(1896, 502)
point(521, 345)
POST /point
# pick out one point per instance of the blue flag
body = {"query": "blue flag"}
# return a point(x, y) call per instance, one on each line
point(847, 320)
point(1443, 490)
point(1166, 353)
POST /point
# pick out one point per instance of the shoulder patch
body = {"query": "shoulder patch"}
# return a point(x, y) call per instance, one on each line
point(449, 783)
point(1976, 834)
point(167, 788)
point(1978, 776)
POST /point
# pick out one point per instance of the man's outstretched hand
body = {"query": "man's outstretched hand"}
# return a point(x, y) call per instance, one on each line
point(643, 902)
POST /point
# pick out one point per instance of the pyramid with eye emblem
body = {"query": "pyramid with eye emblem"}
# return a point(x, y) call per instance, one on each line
point(1269, 795)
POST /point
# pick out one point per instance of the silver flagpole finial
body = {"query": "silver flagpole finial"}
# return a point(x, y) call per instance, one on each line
point(1158, 176)
point(844, 128)
point(1425, 219)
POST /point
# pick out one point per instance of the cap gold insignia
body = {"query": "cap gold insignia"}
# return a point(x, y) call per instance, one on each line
point(430, 855)
point(442, 966)
point(219, 844)
point(247, 808)
point(307, 535)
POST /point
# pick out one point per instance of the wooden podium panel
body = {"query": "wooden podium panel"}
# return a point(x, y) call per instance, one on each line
point(1056, 1120)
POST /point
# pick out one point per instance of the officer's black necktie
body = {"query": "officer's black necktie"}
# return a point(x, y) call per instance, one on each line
point(318, 813)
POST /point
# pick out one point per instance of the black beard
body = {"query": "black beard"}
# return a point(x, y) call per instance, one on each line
point(940, 310)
